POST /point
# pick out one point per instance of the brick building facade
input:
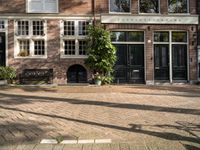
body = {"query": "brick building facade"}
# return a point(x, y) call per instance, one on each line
point(156, 40)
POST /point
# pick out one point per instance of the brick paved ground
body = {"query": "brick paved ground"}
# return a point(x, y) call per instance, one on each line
point(134, 117)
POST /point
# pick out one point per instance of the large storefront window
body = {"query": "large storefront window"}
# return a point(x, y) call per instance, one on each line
point(120, 6)
point(149, 6)
point(176, 49)
point(130, 56)
point(178, 6)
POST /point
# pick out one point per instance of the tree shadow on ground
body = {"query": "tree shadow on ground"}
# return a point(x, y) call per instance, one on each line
point(13, 99)
point(134, 128)
point(30, 88)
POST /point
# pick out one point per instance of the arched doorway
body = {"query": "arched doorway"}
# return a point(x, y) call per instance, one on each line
point(77, 74)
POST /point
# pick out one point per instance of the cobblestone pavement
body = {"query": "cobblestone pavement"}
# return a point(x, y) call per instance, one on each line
point(133, 117)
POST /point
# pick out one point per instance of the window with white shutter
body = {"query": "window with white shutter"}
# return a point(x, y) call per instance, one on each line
point(42, 6)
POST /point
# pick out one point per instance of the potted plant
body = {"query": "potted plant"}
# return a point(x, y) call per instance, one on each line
point(7, 74)
point(23, 53)
point(97, 79)
point(101, 54)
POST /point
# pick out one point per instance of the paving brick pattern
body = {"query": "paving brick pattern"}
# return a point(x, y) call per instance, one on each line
point(134, 117)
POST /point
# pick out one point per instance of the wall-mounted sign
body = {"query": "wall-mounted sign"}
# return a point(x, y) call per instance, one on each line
point(127, 19)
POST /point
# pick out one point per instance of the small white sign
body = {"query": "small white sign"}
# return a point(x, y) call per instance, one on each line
point(124, 19)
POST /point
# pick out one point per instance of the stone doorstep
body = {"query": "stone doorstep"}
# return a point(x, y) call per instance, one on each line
point(82, 141)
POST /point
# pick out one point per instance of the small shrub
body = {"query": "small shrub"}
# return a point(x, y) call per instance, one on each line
point(7, 73)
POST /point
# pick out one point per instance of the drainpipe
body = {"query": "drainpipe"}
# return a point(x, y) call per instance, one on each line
point(94, 11)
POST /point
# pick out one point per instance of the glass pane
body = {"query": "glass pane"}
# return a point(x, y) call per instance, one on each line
point(136, 54)
point(179, 36)
point(177, 6)
point(118, 36)
point(149, 6)
point(120, 6)
point(136, 36)
point(161, 36)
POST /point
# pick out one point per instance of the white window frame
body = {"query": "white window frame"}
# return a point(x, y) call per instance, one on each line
point(111, 12)
point(31, 38)
point(149, 13)
point(170, 43)
point(42, 11)
point(75, 37)
point(187, 13)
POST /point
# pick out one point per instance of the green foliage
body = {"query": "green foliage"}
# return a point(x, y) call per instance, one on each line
point(7, 73)
point(101, 53)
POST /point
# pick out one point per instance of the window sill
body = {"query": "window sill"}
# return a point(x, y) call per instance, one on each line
point(31, 57)
point(73, 56)
point(173, 14)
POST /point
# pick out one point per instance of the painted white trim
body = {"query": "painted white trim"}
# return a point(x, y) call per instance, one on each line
point(170, 43)
point(110, 12)
point(46, 16)
point(31, 39)
point(149, 13)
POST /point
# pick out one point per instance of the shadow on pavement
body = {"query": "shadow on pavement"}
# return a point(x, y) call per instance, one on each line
point(12, 99)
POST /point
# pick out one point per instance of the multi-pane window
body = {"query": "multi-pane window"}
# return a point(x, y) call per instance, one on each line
point(23, 27)
point(82, 47)
point(149, 6)
point(69, 28)
point(24, 47)
point(2, 24)
point(39, 47)
point(178, 6)
point(73, 36)
point(83, 27)
point(30, 38)
point(42, 6)
point(38, 27)
point(120, 6)
point(69, 46)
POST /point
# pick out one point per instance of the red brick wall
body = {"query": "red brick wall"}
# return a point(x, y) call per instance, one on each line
point(54, 61)
point(72, 7)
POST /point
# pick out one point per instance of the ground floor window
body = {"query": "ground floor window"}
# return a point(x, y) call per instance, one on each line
point(73, 38)
point(170, 55)
point(130, 56)
point(30, 38)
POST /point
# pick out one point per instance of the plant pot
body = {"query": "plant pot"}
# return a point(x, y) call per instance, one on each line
point(3, 82)
point(97, 82)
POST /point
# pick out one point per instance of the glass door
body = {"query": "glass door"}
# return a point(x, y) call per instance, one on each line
point(161, 61)
point(136, 63)
point(179, 62)
point(121, 68)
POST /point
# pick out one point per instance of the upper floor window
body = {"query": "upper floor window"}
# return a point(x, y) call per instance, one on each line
point(42, 6)
point(120, 6)
point(149, 6)
point(178, 6)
